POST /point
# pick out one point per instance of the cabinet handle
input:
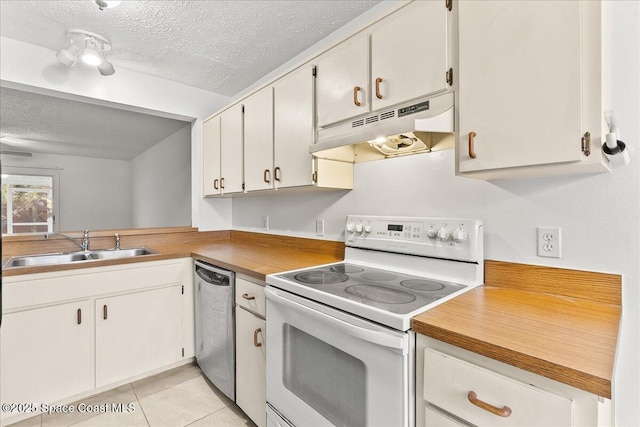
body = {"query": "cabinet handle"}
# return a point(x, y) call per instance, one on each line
point(355, 96)
point(472, 151)
point(215, 184)
point(79, 316)
point(276, 173)
point(266, 176)
point(314, 177)
point(505, 411)
point(222, 183)
point(255, 338)
point(378, 94)
point(248, 297)
point(104, 312)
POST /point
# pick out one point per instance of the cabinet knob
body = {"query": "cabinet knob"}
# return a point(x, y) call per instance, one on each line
point(255, 338)
point(248, 297)
point(504, 412)
point(472, 151)
point(378, 94)
point(355, 96)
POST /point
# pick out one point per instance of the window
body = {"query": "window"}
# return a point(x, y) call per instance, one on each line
point(27, 203)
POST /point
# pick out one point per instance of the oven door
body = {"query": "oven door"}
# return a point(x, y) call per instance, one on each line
point(328, 368)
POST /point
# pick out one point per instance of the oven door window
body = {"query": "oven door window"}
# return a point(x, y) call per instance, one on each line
point(326, 378)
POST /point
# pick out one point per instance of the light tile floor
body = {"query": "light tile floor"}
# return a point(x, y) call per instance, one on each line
point(176, 398)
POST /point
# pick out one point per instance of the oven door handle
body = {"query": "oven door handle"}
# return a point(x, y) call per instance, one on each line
point(376, 337)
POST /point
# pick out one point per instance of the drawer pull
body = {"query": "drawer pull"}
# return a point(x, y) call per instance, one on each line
point(248, 297)
point(505, 411)
point(255, 338)
point(472, 151)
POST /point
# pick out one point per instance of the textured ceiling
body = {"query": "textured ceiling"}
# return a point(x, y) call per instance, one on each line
point(44, 124)
point(221, 46)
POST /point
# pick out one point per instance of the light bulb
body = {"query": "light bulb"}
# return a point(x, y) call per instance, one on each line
point(91, 57)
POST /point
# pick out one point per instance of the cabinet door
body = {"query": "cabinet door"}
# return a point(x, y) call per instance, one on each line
point(137, 333)
point(45, 353)
point(343, 81)
point(231, 139)
point(409, 54)
point(211, 156)
point(251, 366)
point(519, 83)
point(258, 140)
point(294, 131)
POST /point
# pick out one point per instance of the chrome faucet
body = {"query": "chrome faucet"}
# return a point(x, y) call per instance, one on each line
point(117, 236)
point(85, 239)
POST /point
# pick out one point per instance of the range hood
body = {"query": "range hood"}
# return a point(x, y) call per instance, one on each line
point(419, 126)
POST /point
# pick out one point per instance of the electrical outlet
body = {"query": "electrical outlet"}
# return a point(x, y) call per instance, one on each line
point(265, 223)
point(549, 242)
point(319, 227)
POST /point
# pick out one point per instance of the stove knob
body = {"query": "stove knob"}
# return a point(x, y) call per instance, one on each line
point(359, 228)
point(431, 233)
point(350, 227)
point(367, 229)
point(444, 234)
point(459, 235)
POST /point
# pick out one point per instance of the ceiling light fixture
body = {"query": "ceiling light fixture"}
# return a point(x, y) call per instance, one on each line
point(107, 4)
point(88, 46)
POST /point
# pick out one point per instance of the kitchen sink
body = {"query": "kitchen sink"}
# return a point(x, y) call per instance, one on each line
point(73, 257)
point(120, 253)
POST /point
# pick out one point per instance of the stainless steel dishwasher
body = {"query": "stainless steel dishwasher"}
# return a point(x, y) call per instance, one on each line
point(215, 326)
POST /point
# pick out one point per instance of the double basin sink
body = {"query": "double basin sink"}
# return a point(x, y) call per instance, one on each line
point(73, 257)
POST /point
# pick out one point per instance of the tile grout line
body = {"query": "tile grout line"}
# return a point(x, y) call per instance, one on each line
point(139, 404)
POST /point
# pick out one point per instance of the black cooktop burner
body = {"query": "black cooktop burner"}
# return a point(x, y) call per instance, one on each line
point(422, 285)
point(321, 277)
point(378, 276)
point(346, 268)
point(380, 294)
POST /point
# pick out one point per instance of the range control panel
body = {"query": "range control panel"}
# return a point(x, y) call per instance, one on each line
point(452, 238)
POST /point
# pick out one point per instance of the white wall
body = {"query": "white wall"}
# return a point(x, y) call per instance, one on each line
point(94, 193)
point(599, 215)
point(161, 182)
point(32, 68)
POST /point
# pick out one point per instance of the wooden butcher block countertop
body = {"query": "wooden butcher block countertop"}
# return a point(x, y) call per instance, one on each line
point(561, 324)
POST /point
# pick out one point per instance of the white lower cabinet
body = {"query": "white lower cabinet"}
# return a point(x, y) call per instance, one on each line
point(137, 333)
point(457, 387)
point(45, 353)
point(251, 387)
point(67, 333)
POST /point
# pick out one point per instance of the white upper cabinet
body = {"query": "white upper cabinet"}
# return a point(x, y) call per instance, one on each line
point(231, 139)
point(409, 57)
point(343, 81)
point(529, 86)
point(293, 114)
point(222, 153)
point(258, 140)
point(211, 156)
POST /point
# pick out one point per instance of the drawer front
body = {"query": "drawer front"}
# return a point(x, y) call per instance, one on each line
point(448, 382)
point(436, 419)
point(250, 296)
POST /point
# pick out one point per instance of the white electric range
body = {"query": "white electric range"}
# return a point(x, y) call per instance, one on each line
point(340, 350)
